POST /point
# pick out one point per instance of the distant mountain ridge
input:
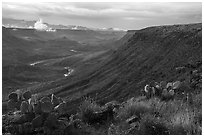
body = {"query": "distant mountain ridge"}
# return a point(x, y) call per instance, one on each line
point(14, 23)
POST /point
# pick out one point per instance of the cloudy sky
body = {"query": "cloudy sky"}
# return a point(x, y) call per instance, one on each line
point(99, 15)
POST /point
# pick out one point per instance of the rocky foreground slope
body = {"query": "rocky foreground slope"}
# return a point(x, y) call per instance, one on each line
point(155, 54)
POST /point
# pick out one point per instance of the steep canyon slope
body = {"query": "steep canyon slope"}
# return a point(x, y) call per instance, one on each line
point(150, 54)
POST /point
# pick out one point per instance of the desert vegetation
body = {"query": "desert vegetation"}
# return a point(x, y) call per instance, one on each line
point(142, 115)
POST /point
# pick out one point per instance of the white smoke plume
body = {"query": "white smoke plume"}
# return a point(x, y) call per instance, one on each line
point(39, 25)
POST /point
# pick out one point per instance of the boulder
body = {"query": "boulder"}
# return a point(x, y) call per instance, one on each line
point(24, 107)
point(55, 101)
point(37, 121)
point(46, 107)
point(13, 96)
point(27, 95)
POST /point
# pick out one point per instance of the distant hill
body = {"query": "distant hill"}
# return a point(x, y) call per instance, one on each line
point(85, 37)
point(15, 23)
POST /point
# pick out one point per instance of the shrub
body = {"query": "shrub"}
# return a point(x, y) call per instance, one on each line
point(87, 110)
point(197, 101)
point(133, 108)
point(167, 109)
point(180, 117)
point(184, 123)
point(150, 125)
point(160, 117)
point(122, 128)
